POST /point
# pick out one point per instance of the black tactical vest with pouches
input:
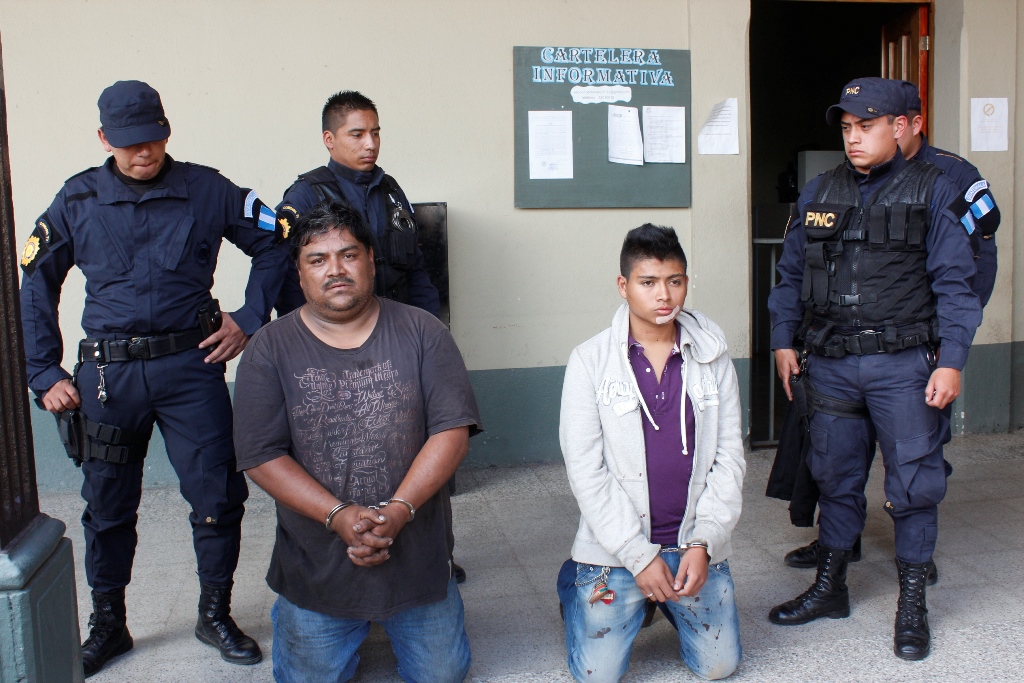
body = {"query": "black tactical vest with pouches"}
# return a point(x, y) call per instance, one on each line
point(864, 264)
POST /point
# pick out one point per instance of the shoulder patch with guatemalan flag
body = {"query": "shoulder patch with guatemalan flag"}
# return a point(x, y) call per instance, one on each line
point(262, 216)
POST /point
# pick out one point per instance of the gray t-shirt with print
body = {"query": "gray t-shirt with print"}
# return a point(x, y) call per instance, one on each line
point(354, 419)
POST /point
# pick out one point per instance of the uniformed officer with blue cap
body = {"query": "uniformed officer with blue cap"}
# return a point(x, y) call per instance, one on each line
point(979, 214)
point(880, 268)
point(351, 134)
point(146, 231)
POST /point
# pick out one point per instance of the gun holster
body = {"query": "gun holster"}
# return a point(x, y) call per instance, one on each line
point(210, 318)
point(71, 428)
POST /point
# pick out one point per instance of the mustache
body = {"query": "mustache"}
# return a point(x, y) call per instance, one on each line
point(338, 281)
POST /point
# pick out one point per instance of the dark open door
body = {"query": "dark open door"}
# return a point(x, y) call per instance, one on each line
point(906, 41)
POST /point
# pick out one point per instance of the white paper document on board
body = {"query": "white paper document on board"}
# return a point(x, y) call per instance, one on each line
point(550, 144)
point(720, 133)
point(990, 124)
point(665, 135)
point(625, 143)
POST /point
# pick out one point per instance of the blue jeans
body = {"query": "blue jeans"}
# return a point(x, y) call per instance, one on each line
point(599, 637)
point(429, 641)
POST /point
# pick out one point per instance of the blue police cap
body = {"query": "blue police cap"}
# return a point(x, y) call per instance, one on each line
point(869, 98)
point(131, 113)
point(912, 94)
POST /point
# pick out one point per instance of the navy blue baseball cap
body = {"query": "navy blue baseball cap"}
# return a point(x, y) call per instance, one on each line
point(131, 113)
point(869, 98)
point(912, 94)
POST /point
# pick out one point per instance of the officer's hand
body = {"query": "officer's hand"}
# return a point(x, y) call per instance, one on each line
point(786, 363)
point(656, 581)
point(62, 396)
point(229, 340)
point(943, 387)
point(693, 572)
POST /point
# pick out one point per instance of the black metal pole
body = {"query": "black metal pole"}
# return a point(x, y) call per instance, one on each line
point(19, 500)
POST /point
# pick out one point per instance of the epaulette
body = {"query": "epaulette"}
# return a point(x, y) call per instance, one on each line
point(194, 165)
point(88, 170)
point(950, 155)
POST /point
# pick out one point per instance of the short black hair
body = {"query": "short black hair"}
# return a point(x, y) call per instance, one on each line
point(649, 241)
point(321, 219)
point(340, 104)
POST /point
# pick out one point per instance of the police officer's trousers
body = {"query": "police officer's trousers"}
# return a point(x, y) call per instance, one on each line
point(188, 400)
point(910, 435)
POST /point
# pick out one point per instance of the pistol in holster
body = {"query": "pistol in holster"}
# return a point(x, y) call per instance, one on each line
point(210, 318)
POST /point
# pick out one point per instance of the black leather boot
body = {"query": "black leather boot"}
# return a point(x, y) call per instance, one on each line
point(108, 632)
point(216, 627)
point(806, 556)
point(827, 596)
point(913, 637)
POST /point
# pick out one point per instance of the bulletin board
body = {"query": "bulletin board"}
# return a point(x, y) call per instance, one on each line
point(583, 83)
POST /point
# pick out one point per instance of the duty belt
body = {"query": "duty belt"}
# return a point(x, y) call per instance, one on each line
point(825, 342)
point(138, 348)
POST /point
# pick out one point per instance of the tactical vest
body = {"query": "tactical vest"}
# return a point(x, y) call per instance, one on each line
point(864, 263)
point(395, 250)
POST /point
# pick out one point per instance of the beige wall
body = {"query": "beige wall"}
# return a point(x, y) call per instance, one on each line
point(243, 84)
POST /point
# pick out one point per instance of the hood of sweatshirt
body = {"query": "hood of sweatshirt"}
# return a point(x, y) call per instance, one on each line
point(705, 339)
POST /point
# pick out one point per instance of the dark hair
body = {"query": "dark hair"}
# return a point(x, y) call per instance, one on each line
point(321, 219)
point(340, 104)
point(649, 241)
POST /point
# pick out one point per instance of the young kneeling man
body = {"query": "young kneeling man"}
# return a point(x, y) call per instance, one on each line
point(650, 432)
point(353, 412)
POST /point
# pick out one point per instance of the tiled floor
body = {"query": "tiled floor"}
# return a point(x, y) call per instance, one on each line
point(515, 526)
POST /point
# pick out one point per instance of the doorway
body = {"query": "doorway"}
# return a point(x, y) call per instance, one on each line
point(801, 55)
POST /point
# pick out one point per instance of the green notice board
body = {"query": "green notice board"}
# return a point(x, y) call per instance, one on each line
point(583, 83)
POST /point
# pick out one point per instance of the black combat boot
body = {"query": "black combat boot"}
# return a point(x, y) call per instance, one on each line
point(827, 596)
point(913, 637)
point(806, 556)
point(216, 627)
point(108, 632)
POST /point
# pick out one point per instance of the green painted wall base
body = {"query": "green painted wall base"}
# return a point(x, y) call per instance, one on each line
point(519, 408)
point(39, 637)
point(986, 394)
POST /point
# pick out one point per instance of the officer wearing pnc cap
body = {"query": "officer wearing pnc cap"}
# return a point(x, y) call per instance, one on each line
point(146, 230)
point(979, 215)
point(879, 268)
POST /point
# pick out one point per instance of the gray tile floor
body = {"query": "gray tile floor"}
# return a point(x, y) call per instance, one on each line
point(514, 527)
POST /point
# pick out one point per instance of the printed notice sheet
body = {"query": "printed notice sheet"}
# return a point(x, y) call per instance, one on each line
point(625, 143)
point(989, 124)
point(720, 133)
point(550, 144)
point(665, 135)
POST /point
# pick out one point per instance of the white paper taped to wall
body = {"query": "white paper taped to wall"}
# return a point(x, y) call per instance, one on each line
point(990, 124)
point(720, 133)
point(550, 144)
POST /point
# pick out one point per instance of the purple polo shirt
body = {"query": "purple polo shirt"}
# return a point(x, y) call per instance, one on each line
point(668, 468)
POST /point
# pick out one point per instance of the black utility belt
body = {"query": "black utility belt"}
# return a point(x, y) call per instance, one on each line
point(837, 345)
point(138, 348)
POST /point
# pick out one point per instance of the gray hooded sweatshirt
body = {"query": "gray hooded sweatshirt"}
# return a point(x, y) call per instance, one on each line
point(602, 439)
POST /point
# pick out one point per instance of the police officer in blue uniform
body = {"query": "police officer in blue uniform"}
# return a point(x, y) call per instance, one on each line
point(879, 267)
point(351, 133)
point(146, 230)
point(978, 213)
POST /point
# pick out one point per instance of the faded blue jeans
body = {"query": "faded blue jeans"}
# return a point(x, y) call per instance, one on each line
point(599, 637)
point(429, 641)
